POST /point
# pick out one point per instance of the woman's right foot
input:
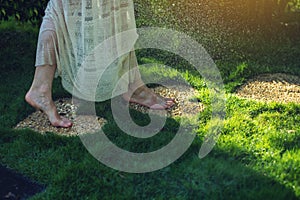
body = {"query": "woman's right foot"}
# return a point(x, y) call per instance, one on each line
point(146, 97)
point(43, 101)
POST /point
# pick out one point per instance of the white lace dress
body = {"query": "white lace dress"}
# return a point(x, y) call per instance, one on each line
point(86, 40)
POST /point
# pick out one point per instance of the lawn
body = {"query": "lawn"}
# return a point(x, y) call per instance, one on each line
point(257, 155)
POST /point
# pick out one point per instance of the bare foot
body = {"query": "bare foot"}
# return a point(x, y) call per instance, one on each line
point(44, 102)
point(146, 97)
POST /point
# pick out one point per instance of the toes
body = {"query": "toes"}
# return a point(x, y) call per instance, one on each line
point(158, 107)
point(63, 123)
point(169, 99)
point(169, 102)
point(67, 123)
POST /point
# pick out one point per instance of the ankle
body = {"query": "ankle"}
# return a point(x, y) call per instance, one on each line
point(41, 89)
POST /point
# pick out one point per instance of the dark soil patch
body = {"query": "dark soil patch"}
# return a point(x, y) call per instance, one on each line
point(15, 186)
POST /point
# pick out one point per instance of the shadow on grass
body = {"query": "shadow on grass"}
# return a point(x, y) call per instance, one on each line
point(69, 171)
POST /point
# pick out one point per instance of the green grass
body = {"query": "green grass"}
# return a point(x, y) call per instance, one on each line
point(256, 157)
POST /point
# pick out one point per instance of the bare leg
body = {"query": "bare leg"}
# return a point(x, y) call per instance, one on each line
point(40, 92)
point(40, 95)
point(138, 92)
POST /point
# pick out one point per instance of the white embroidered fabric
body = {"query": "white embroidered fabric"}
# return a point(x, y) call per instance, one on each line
point(91, 42)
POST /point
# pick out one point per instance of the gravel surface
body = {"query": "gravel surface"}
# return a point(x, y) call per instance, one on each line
point(185, 105)
point(277, 87)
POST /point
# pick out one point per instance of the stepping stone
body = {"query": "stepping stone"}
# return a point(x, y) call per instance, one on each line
point(16, 186)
